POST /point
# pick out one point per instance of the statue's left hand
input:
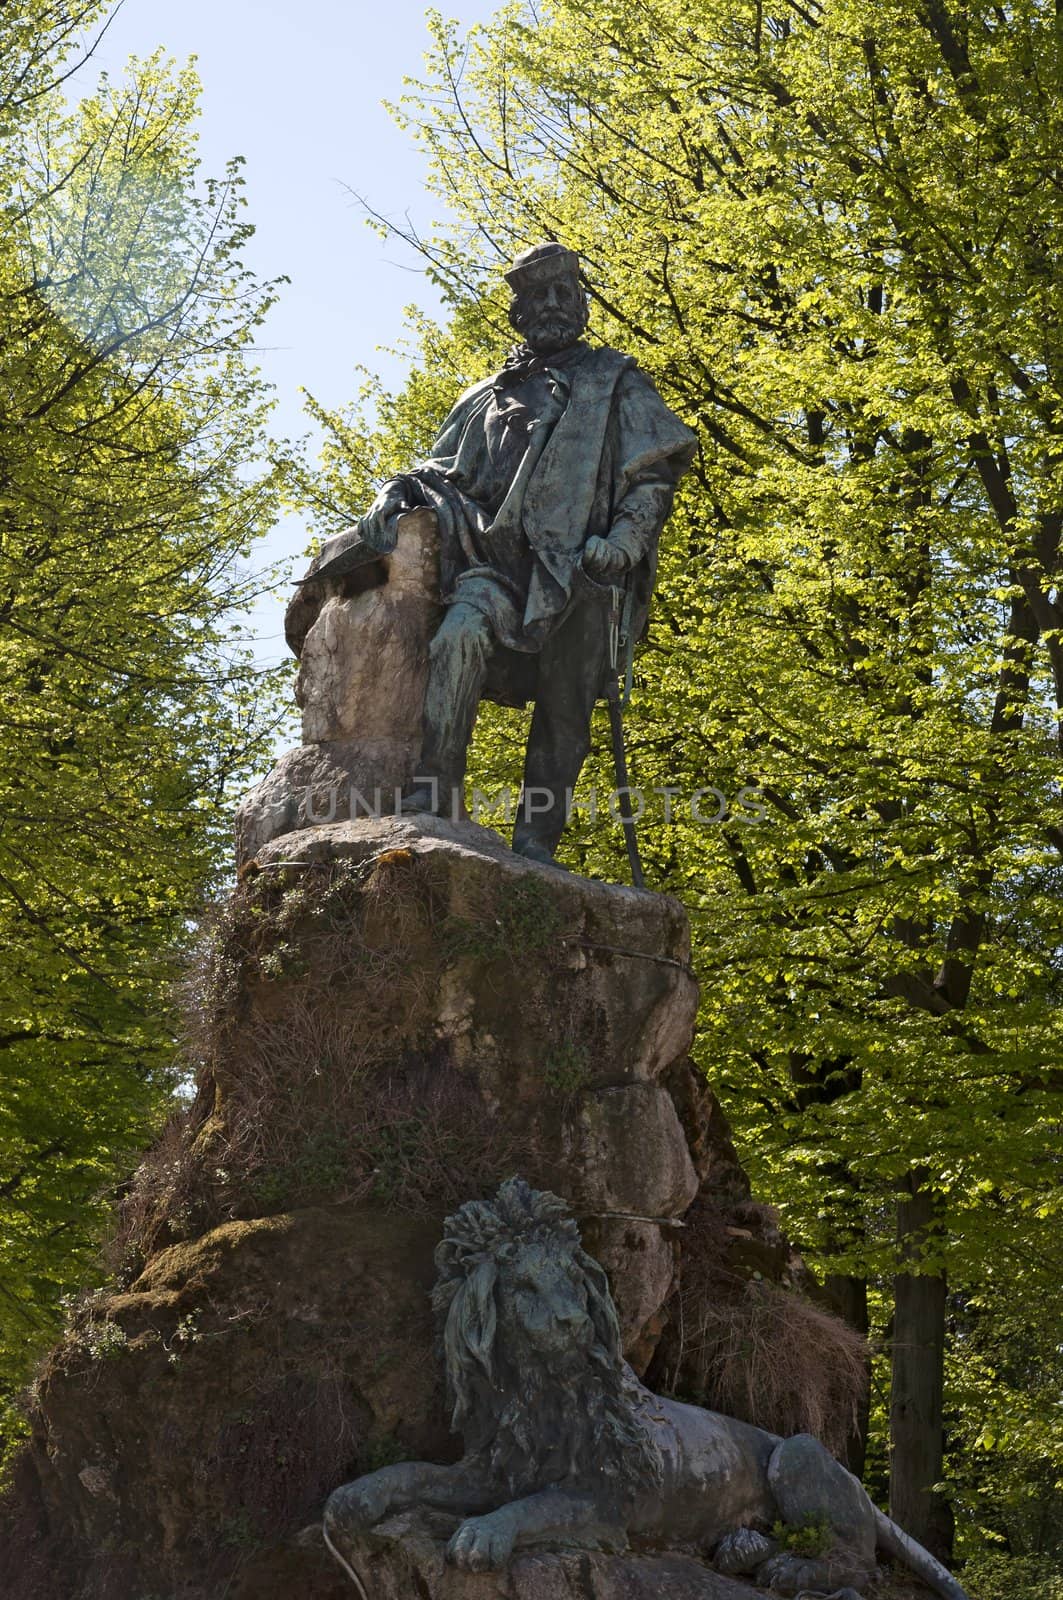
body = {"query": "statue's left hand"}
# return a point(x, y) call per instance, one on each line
point(604, 561)
point(483, 1544)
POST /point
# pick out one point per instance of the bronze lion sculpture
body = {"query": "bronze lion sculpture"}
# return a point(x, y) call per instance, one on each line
point(564, 1446)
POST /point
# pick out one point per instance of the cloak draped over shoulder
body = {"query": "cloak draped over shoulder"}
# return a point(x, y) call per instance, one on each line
point(597, 454)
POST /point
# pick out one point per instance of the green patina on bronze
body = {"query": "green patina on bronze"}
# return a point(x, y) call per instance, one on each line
point(564, 1446)
point(550, 482)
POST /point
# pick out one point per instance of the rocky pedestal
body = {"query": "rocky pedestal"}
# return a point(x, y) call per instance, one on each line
point(362, 642)
point(405, 1557)
point(391, 1017)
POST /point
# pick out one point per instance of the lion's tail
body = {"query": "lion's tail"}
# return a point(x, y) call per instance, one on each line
point(893, 1541)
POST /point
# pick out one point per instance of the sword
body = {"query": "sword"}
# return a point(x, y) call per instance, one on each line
point(616, 724)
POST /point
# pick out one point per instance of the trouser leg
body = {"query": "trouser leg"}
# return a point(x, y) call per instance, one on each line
point(571, 668)
point(458, 658)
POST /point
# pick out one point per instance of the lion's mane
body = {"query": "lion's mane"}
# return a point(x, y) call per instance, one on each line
point(525, 1426)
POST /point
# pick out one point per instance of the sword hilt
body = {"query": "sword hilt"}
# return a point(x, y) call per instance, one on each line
point(615, 605)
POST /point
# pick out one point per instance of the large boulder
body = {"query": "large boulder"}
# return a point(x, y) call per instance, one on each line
point(404, 1011)
point(405, 1556)
point(362, 642)
point(224, 1393)
point(390, 1017)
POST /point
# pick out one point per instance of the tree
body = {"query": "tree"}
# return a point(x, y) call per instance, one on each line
point(831, 233)
point(129, 420)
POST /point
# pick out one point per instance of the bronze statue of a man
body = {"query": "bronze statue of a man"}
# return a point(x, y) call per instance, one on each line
point(551, 482)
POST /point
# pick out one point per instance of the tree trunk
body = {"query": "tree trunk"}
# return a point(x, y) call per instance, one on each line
point(848, 1300)
point(917, 1437)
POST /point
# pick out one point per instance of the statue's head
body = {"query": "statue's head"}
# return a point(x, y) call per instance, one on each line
point(516, 1286)
point(549, 307)
point(531, 1342)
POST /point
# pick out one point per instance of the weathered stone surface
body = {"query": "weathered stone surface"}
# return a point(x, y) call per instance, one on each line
point(396, 1015)
point(219, 1398)
point(407, 1565)
point(320, 783)
point(707, 1133)
point(627, 1153)
point(361, 684)
point(642, 1260)
point(364, 664)
point(553, 997)
point(299, 1569)
point(606, 982)
point(404, 1557)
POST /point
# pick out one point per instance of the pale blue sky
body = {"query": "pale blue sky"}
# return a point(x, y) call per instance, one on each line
point(296, 86)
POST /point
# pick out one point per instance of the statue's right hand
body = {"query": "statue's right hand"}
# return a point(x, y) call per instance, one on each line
point(390, 502)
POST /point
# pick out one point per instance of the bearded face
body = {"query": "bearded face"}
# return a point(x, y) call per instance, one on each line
point(550, 315)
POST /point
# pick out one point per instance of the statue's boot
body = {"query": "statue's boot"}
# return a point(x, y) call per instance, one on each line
point(458, 658)
point(427, 799)
point(533, 850)
point(571, 666)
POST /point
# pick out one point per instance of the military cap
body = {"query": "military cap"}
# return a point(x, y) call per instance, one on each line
point(541, 263)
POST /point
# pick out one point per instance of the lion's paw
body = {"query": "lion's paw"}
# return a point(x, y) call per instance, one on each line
point(815, 1579)
point(836, 1594)
point(789, 1574)
point(742, 1551)
point(357, 1506)
point(482, 1544)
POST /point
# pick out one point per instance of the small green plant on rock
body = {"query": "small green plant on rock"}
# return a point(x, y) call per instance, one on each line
point(528, 918)
point(397, 1150)
point(383, 1450)
point(102, 1339)
point(565, 1070)
point(186, 1332)
point(809, 1539)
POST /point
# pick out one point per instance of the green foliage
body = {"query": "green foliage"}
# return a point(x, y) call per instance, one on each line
point(527, 918)
point(383, 1450)
point(129, 421)
point(566, 1071)
point(993, 1575)
point(1006, 1378)
point(832, 235)
point(810, 1538)
point(319, 1167)
point(102, 1340)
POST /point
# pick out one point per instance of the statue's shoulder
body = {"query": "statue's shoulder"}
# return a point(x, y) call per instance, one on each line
point(605, 355)
point(635, 386)
point(621, 372)
point(635, 377)
point(461, 413)
point(605, 360)
point(475, 391)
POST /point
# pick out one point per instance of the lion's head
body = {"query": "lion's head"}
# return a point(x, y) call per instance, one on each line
point(531, 1343)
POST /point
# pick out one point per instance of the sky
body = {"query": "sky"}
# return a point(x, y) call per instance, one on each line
point(295, 87)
